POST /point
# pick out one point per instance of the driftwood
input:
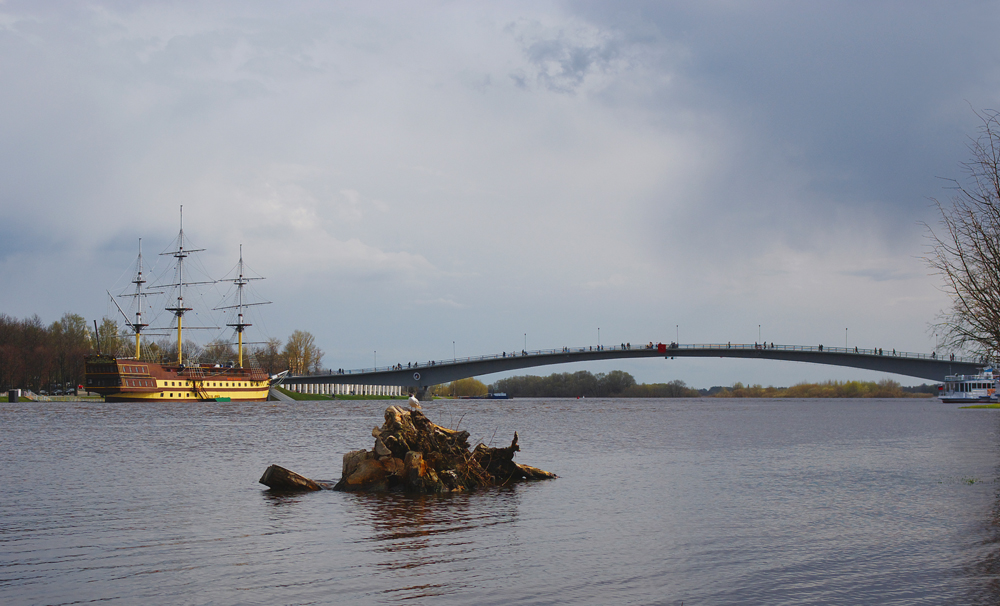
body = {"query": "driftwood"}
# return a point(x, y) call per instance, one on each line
point(279, 478)
point(412, 454)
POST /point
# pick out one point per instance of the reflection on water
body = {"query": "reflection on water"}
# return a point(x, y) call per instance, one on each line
point(417, 537)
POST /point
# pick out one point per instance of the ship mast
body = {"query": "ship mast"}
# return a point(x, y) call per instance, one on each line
point(138, 324)
point(178, 310)
point(241, 281)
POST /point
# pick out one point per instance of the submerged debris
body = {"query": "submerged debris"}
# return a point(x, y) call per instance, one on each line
point(280, 478)
point(412, 454)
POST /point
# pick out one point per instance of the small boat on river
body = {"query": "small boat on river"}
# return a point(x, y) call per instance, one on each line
point(970, 389)
point(129, 379)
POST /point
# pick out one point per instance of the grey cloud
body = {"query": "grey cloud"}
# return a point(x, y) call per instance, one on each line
point(560, 61)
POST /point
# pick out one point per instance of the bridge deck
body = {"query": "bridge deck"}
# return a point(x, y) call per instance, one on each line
point(924, 366)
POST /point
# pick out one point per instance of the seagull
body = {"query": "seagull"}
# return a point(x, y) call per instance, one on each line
point(415, 403)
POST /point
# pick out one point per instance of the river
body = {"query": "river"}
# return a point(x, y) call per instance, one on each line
point(693, 501)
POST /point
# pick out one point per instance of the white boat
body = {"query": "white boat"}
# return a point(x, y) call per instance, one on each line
point(967, 389)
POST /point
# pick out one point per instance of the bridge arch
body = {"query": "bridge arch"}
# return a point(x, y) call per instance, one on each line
point(424, 375)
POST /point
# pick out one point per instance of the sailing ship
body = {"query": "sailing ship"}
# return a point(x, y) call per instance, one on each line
point(132, 379)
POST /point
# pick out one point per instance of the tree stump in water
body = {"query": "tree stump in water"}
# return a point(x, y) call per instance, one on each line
point(412, 454)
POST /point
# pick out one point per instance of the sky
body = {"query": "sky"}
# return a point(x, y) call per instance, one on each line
point(417, 179)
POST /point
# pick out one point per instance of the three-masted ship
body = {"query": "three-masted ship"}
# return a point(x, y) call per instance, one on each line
point(131, 379)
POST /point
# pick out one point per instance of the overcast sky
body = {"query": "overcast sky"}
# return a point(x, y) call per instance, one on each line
point(415, 178)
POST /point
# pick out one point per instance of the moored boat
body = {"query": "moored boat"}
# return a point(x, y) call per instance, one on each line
point(126, 379)
point(970, 389)
point(129, 379)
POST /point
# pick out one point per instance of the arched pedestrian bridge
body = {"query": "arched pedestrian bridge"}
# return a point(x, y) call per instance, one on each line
point(422, 375)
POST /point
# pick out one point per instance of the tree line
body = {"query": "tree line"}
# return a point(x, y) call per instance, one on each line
point(886, 388)
point(619, 384)
point(35, 355)
point(615, 384)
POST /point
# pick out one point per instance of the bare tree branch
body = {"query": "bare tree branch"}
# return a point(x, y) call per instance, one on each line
point(965, 248)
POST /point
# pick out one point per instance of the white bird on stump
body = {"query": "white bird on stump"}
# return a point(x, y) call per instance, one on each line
point(415, 403)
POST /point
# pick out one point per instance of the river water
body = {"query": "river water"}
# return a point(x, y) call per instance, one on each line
point(701, 501)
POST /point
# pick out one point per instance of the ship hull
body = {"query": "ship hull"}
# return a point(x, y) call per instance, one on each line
point(131, 380)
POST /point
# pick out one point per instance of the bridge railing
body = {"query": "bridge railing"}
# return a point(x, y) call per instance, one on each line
point(840, 350)
point(670, 347)
point(513, 354)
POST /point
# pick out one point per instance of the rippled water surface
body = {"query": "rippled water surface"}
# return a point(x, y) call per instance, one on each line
point(658, 502)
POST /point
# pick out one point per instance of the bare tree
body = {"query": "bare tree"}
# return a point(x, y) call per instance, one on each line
point(108, 337)
point(268, 355)
point(965, 249)
point(301, 353)
point(218, 352)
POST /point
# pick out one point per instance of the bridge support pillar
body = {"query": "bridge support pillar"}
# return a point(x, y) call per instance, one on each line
point(424, 393)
